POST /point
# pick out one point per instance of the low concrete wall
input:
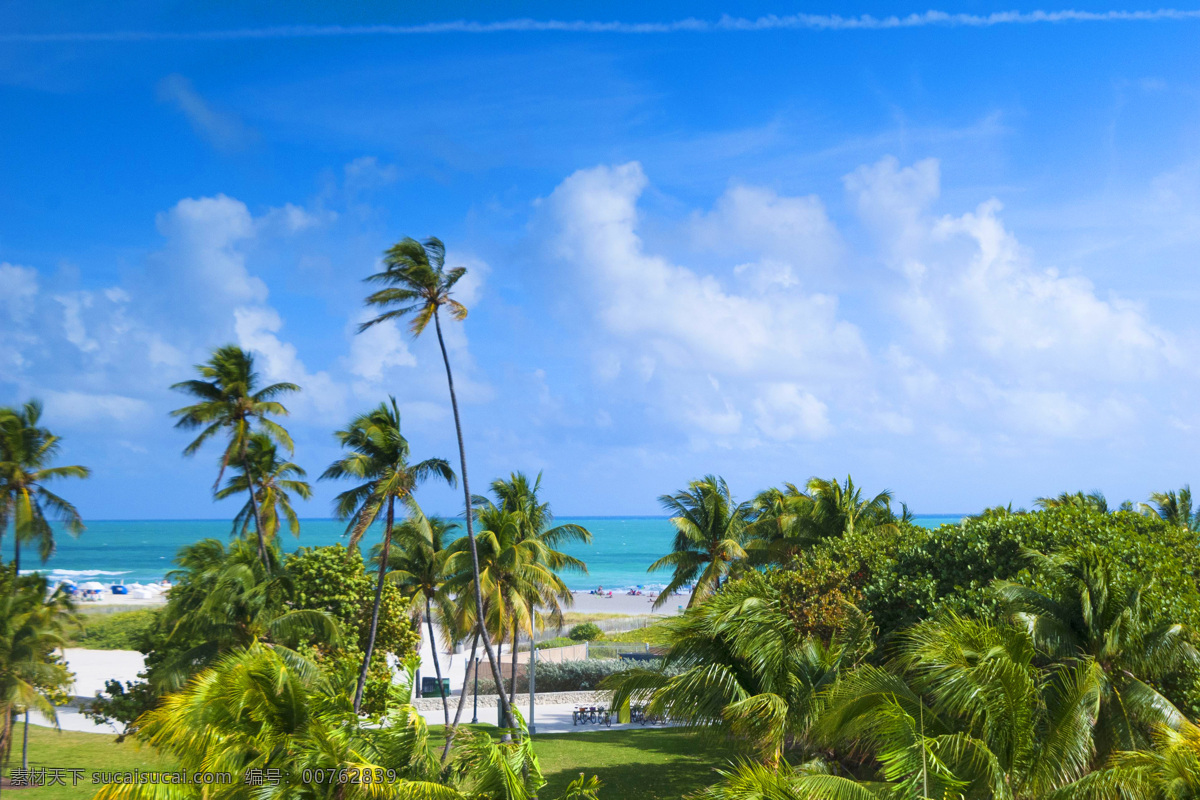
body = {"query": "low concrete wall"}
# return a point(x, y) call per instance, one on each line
point(598, 698)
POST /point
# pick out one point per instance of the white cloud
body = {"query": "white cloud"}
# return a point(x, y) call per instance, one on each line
point(378, 349)
point(18, 287)
point(80, 407)
point(256, 329)
point(73, 327)
point(785, 412)
point(366, 173)
point(751, 323)
point(220, 128)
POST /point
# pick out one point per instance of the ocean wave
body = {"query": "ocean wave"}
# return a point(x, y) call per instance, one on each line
point(62, 574)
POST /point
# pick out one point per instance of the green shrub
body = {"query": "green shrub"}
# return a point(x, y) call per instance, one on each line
point(569, 676)
point(586, 632)
point(124, 630)
point(557, 641)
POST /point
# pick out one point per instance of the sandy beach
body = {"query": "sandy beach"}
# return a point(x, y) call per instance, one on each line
point(621, 603)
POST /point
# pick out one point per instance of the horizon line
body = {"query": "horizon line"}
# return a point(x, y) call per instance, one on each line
point(724, 23)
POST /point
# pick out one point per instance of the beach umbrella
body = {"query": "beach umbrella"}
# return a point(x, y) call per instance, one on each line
point(93, 586)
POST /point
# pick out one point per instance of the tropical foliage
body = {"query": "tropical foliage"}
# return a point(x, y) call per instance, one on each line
point(230, 402)
point(27, 453)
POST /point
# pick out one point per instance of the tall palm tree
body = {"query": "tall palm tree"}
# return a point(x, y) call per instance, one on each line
point(518, 497)
point(1175, 508)
point(418, 569)
point(274, 479)
point(1085, 614)
point(379, 458)
point(710, 534)
point(516, 574)
point(230, 401)
point(418, 287)
point(1169, 770)
point(26, 454)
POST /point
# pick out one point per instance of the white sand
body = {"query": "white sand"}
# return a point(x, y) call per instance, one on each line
point(621, 603)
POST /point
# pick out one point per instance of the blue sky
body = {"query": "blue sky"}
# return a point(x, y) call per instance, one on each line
point(953, 256)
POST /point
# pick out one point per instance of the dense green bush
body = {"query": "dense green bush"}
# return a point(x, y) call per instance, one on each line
point(568, 676)
point(124, 630)
point(585, 632)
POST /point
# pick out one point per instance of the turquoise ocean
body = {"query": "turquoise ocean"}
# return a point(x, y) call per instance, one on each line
point(116, 551)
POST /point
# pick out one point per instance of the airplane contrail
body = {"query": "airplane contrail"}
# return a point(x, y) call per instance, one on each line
point(811, 22)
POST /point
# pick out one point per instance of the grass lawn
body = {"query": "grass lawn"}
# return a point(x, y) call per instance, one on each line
point(91, 752)
point(633, 764)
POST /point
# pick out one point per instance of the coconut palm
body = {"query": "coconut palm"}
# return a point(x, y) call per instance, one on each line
point(378, 457)
point(841, 509)
point(31, 628)
point(1092, 501)
point(1084, 614)
point(517, 574)
point(967, 712)
point(535, 521)
point(738, 665)
point(1175, 508)
point(275, 478)
point(1169, 770)
point(417, 564)
point(229, 401)
point(27, 452)
point(710, 535)
point(418, 287)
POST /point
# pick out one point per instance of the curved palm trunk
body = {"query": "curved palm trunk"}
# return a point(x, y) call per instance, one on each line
point(258, 527)
point(383, 560)
point(16, 556)
point(512, 695)
point(462, 701)
point(462, 455)
point(437, 668)
point(25, 743)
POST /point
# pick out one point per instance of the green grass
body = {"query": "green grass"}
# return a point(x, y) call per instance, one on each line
point(645, 764)
point(654, 634)
point(91, 752)
point(639, 764)
point(116, 631)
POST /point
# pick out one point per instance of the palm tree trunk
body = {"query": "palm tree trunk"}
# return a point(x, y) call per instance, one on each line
point(258, 528)
point(462, 701)
point(383, 560)
point(437, 668)
point(462, 455)
point(16, 555)
point(512, 695)
point(25, 743)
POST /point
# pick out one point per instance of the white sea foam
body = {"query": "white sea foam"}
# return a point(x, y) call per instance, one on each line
point(63, 574)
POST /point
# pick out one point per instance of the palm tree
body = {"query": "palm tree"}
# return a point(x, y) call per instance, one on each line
point(710, 534)
point(1175, 508)
point(230, 401)
point(419, 285)
point(26, 454)
point(535, 521)
point(1092, 501)
point(418, 569)
point(966, 713)
point(517, 574)
point(1169, 770)
point(31, 628)
point(225, 599)
point(739, 665)
point(841, 509)
point(274, 478)
point(266, 709)
point(1087, 616)
point(379, 457)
